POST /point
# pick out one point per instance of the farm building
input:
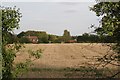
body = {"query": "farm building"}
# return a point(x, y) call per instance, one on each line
point(72, 41)
point(33, 39)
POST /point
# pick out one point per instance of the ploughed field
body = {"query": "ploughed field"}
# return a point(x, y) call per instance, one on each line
point(63, 60)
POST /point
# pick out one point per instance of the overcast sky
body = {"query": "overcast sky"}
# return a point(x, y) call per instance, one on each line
point(55, 17)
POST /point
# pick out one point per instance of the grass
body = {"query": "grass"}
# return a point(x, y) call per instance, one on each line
point(76, 72)
point(0, 70)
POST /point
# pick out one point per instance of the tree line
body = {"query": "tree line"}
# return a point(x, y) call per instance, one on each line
point(43, 37)
point(94, 38)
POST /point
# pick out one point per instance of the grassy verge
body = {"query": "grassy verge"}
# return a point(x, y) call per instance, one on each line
point(81, 72)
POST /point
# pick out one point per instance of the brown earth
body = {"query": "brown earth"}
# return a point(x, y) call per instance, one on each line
point(61, 56)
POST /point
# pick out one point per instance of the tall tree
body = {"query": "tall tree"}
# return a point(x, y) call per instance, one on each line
point(109, 24)
point(0, 43)
point(10, 21)
point(66, 36)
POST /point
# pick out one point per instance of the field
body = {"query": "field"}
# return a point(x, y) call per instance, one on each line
point(62, 60)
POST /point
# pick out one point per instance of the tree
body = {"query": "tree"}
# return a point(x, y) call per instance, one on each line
point(90, 38)
point(66, 36)
point(109, 25)
point(0, 44)
point(21, 34)
point(52, 38)
point(42, 36)
point(10, 21)
point(24, 40)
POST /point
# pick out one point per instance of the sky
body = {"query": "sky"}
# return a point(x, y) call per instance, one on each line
point(55, 17)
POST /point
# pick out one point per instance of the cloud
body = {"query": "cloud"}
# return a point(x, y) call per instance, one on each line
point(68, 3)
point(70, 11)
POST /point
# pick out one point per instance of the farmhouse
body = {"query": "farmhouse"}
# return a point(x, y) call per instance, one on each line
point(72, 41)
point(33, 39)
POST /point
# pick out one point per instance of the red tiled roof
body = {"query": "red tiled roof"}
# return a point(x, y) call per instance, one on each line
point(33, 37)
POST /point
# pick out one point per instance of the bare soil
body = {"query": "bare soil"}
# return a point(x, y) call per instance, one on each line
point(58, 57)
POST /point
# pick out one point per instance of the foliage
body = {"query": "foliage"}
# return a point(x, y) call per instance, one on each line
point(24, 40)
point(11, 38)
point(10, 21)
point(109, 25)
point(23, 67)
point(110, 22)
point(42, 36)
point(21, 34)
point(93, 38)
point(59, 39)
point(45, 38)
point(36, 54)
point(52, 38)
point(66, 36)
